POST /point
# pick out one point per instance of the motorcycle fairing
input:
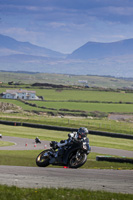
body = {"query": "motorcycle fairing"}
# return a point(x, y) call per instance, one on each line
point(68, 153)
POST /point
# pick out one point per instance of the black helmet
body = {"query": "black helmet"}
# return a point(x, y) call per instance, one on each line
point(82, 132)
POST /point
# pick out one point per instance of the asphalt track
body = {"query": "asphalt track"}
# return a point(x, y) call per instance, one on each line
point(93, 179)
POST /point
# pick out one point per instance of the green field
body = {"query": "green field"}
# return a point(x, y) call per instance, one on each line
point(101, 107)
point(85, 100)
point(78, 100)
point(15, 193)
point(90, 107)
point(92, 81)
point(80, 94)
point(91, 100)
point(102, 124)
point(84, 95)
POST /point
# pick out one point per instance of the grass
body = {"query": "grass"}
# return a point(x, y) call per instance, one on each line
point(52, 95)
point(4, 143)
point(19, 158)
point(93, 81)
point(80, 95)
point(101, 107)
point(27, 158)
point(24, 132)
point(84, 95)
point(22, 105)
point(102, 124)
point(55, 100)
point(14, 193)
point(44, 134)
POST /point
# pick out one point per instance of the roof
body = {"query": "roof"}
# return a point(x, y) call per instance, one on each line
point(19, 91)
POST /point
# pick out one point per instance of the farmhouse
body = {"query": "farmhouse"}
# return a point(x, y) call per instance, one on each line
point(83, 81)
point(20, 94)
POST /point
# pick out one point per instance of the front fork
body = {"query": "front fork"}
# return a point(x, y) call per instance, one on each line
point(78, 155)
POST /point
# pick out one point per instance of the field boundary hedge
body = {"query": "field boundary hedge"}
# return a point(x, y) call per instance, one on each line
point(60, 128)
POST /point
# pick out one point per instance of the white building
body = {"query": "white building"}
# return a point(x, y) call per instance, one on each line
point(20, 94)
point(83, 81)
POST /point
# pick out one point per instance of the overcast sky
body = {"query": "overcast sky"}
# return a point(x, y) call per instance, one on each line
point(65, 25)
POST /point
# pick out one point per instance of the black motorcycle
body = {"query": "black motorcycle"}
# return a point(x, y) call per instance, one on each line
point(72, 155)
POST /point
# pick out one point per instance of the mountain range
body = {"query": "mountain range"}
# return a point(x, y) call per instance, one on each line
point(103, 50)
point(93, 58)
point(10, 46)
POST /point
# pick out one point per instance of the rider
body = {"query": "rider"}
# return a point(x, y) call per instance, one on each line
point(80, 135)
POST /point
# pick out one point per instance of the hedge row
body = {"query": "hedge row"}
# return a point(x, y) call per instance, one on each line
point(59, 128)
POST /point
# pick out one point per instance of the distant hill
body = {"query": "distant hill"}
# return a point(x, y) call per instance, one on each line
point(103, 50)
point(10, 46)
point(93, 58)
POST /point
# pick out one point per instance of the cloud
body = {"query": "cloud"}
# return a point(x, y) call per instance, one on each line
point(57, 25)
point(110, 10)
point(64, 25)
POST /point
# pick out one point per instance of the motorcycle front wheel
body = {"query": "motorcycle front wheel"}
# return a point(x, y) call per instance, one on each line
point(42, 159)
point(77, 161)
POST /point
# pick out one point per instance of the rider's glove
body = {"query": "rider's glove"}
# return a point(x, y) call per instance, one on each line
point(62, 141)
point(54, 145)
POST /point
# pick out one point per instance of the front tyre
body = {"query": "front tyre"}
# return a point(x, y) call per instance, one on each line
point(42, 159)
point(77, 160)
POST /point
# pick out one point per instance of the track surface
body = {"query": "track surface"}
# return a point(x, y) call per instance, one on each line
point(29, 144)
point(109, 180)
point(35, 177)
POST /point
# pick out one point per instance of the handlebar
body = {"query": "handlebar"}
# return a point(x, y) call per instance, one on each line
point(76, 141)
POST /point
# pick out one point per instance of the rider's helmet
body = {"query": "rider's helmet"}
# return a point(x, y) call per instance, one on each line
point(82, 132)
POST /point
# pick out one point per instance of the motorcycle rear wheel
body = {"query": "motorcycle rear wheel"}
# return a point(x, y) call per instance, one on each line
point(42, 160)
point(76, 163)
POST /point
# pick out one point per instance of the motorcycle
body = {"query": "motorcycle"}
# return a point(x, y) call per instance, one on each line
point(72, 155)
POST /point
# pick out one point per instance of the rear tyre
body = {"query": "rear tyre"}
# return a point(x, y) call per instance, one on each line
point(42, 160)
point(77, 161)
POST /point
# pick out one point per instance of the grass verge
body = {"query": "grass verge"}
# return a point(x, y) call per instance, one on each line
point(27, 158)
point(4, 143)
point(50, 135)
point(13, 193)
point(102, 124)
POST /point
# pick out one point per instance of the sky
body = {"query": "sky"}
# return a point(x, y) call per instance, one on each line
point(65, 25)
